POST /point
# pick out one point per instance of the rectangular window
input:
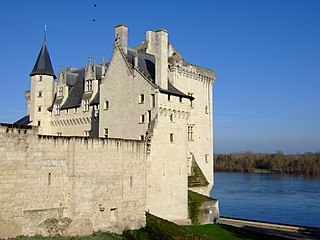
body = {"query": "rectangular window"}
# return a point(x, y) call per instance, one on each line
point(106, 105)
point(149, 115)
point(169, 97)
point(153, 100)
point(88, 85)
point(106, 132)
point(142, 118)
point(67, 111)
point(171, 137)
point(39, 108)
point(141, 98)
point(57, 108)
point(86, 105)
point(40, 94)
point(142, 137)
point(191, 132)
point(40, 79)
point(39, 123)
point(75, 110)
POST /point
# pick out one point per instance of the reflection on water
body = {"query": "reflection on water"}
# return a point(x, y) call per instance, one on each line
point(291, 199)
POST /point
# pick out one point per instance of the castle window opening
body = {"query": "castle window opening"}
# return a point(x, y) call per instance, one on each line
point(39, 123)
point(171, 117)
point(191, 132)
point(153, 101)
point(131, 183)
point(142, 118)
point(106, 132)
point(169, 97)
point(75, 110)
point(142, 137)
point(49, 179)
point(40, 78)
point(171, 137)
point(57, 108)
point(39, 108)
point(40, 94)
point(60, 91)
point(141, 98)
point(149, 115)
point(67, 111)
point(106, 105)
point(88, 85)
point(180, 99)
point(85, 105)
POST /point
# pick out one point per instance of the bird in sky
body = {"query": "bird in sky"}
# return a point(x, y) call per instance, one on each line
point(94, 5)
point(93, 19)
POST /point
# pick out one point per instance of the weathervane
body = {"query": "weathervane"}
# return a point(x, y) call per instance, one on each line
point(45, 32)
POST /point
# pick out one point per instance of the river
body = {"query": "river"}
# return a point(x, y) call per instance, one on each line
point(282, 198)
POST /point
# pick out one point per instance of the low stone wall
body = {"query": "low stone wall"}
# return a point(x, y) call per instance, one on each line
point(69, 185)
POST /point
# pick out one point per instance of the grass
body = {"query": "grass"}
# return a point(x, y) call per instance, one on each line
point(222, 232)
point(160, 229)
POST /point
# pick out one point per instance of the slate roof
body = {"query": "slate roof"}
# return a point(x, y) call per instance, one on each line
point(146, 64)
point(24, 121)
point(75, 81)
point(43, 64)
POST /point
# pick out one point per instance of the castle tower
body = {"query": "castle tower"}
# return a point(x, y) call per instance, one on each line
point(42, 91)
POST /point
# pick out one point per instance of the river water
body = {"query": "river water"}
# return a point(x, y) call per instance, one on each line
point(282, 198)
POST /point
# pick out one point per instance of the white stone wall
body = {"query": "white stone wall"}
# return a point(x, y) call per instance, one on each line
point(122, 87)
point(201, 117)
point(167, 195)
point(88, 184)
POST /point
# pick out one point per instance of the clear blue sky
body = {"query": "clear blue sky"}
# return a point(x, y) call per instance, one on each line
point(266, 54)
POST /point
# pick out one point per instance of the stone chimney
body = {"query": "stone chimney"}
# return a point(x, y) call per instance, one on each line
point(121, 37)
point(161, 56)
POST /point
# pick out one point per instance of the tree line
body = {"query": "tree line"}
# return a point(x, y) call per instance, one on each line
point(306, 163)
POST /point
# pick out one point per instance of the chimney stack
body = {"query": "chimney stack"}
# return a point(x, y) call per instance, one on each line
point(161, 56)
point(121, 37)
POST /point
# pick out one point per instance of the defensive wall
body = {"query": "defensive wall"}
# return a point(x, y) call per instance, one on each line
point(69, 185)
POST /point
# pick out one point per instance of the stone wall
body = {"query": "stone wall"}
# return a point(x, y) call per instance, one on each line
point(69, 185)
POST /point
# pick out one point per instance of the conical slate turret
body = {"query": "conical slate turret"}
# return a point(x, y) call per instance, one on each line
point(43, 64)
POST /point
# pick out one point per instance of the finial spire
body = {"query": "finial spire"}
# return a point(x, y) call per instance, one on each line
point(45, 32)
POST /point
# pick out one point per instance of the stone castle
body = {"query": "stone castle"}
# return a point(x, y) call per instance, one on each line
point(102, 144)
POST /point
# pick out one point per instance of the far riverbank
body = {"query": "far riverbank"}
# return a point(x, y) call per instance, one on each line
point(249, 162)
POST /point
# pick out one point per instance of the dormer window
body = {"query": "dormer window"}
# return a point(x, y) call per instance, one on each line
point(60, 91)
point(88, 85)
point(85, 105)
point(57, 108)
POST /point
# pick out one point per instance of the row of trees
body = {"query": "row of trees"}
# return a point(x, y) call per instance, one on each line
point(307, 163)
